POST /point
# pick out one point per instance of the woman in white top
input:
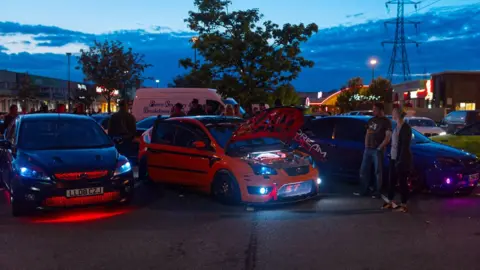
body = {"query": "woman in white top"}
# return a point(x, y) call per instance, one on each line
point(400, 162)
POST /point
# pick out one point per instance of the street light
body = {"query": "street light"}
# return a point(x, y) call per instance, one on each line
point(373, 63)
point(157, 81)
point(68, 97)
point(194, 41)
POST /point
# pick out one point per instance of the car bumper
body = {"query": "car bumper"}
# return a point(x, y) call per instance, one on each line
point(283, 193)
point(452, 181)
point(52, 194)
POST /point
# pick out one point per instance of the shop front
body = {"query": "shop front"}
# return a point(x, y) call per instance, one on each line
point(457, 90)
point(415, 94)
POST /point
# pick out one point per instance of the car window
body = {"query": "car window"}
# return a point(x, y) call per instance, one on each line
point(323, 128)
point(472, 130)
point(420, 122)
point(146, 123)
point(457, 116)
point(51, 134)
point(163, 133)
point(350, 130)
point(185, 137)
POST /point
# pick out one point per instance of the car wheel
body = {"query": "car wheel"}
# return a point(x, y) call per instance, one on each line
point(18, 207)
point(142, 169)
point(225, 189)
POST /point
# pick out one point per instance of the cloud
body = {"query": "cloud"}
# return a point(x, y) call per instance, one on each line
point(448, 40)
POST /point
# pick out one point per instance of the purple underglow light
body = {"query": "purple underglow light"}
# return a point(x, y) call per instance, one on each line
point(448, 181)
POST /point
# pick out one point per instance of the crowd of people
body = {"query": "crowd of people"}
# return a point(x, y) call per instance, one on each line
point(207, 109)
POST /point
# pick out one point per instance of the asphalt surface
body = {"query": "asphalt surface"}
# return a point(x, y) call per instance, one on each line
point(178, 229)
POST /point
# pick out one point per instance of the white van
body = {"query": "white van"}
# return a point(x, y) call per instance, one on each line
point(159, 101)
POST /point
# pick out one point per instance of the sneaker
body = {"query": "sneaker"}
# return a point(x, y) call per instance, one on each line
point(402, 209)
point(387, 206)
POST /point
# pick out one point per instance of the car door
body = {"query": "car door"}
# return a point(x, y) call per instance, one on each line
point(349, 142)
point(321, 132)
point(192, 163)
point(159, 157)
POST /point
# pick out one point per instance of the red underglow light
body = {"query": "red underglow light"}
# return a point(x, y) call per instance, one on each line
point(81, 175)
point(64, 201)
point(76, 216)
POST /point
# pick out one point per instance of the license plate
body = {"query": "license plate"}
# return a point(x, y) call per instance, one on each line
point(300, 187)
point(473, 177)
point(83, 192)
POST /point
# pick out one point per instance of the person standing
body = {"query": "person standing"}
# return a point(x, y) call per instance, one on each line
point(196, 108)
point(400, 161)
point(122, 125)
point(10, 117)
point(177, 110)
point(379, 132)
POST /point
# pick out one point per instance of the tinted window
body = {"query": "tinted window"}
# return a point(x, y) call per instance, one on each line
point(458, 116)
point(421, 123)
point(62, 134)
point(323, 128)
point(472, 130)
point(146, 123)
point(185, 137)
point(163, 133)
point(350, 130)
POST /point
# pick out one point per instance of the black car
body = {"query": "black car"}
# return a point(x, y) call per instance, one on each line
point(61, 160)
point(457, 120)
point(437, 167)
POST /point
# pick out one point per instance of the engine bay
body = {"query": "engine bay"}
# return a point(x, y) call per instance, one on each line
point(277, 159)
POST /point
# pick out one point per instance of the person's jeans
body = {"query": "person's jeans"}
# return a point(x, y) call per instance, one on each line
point(400, 177)
point(371, 157)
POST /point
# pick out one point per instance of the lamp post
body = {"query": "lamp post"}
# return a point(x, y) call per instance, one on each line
point(68, 96)
point(157, 81)
point(194, 41)
point(373, 63)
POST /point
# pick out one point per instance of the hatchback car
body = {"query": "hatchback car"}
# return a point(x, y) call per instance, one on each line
point(234, 160)
point(425, 125)
point(436, 166)
point(60, 160)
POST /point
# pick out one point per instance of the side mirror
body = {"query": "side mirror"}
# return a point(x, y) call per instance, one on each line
point(199, 144)
point(5, 144)
point(117, 140)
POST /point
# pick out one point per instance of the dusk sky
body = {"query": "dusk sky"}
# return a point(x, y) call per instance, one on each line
point(351, 32)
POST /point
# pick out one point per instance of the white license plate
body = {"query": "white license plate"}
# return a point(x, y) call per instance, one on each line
point(83, 192)
point(473, 177)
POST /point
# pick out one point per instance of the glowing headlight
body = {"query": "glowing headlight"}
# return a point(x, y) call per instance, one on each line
point(442, 133)
point(319, 181)
point(30, 173)
point(123, 167)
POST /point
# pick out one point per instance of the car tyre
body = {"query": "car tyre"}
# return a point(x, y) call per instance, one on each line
point(225, 188)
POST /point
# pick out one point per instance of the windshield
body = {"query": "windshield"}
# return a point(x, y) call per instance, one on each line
point(223, 132)
point(62, 134)
point(417, 137)
point(421, 123)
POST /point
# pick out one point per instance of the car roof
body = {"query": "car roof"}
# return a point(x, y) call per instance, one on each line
point(53, 116)
point(417, 117)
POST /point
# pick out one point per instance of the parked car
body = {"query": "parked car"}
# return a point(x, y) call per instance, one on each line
point(457, 120)
point(425, 125)
point(365, 112)
point(436, 166)
point(102, 119)
point(467, 138)
point(61, 160)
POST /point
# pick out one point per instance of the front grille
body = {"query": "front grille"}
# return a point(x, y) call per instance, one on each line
point(297, 170)
point(81, 175)
point(296, 190)
point(431, 134)
point(61, 201)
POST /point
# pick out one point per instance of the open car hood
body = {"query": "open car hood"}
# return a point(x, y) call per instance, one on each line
point(280, 123)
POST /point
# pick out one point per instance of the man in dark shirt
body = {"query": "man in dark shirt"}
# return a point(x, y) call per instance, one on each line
point(177, 110)
point(122, 124)
point(10, 117)
point(379, 132)
point(196, 109)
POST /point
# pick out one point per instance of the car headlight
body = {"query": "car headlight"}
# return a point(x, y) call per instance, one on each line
point(263, 170)
point(123, 166)
point(29, 172)
point(442, 133)
point(447, 162)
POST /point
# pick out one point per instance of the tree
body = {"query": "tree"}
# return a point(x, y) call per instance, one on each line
point(112, 67)
point(380, 87)
point(286, 93)
point(344, 102)
point(244, 57)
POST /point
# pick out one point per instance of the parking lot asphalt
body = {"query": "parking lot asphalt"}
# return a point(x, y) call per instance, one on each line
point(173, 228)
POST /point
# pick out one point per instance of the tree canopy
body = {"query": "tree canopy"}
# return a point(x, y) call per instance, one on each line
point(112, 67)
point(241, 54)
